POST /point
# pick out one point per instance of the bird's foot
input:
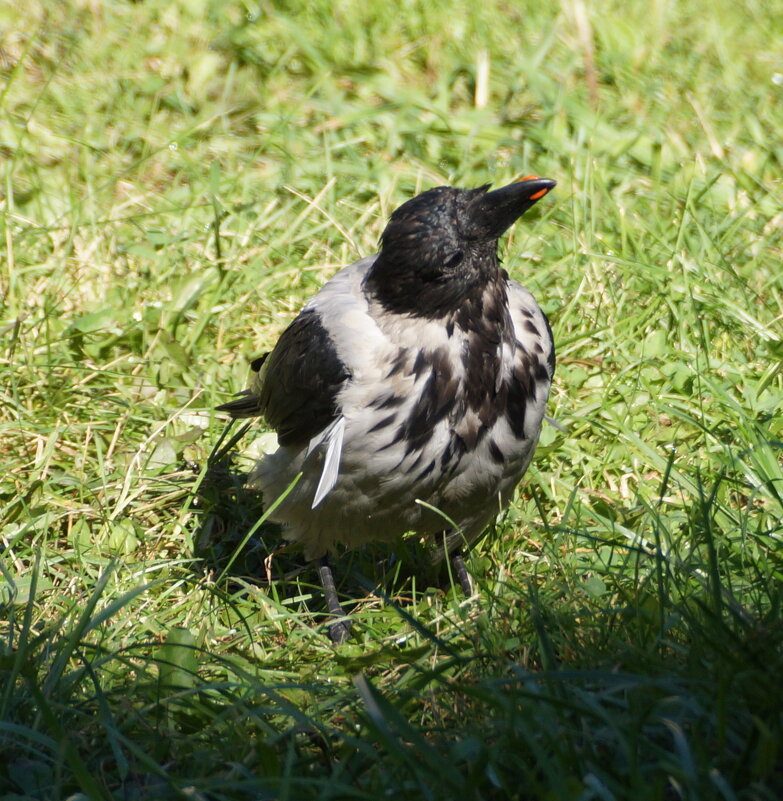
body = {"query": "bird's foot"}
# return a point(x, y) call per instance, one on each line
point(461, 572)
point(340, 629)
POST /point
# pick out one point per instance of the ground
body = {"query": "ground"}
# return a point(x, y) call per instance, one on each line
point(177, 178)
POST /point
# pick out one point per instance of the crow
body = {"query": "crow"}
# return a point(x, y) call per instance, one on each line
point(410, 391)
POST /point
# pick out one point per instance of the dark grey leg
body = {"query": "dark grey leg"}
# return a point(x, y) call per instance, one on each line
point(461, 572)
point(340, 629)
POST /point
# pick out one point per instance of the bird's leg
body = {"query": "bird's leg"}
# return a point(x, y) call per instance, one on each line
point(461, 572)
point(341, 628)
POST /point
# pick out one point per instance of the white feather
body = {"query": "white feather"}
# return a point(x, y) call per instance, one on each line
point(318, 438)
point(334, 437)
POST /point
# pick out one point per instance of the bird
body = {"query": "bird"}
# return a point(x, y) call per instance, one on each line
point(408, 394)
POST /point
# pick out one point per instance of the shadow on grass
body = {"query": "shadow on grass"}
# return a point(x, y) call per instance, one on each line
point(547, 700)
point(231, 545)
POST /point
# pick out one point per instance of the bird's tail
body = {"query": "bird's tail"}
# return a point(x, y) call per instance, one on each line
point(246, 405)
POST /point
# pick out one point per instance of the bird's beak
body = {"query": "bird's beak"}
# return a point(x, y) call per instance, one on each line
point(493, 213)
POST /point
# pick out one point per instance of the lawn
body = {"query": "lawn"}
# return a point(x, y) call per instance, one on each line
point(176, 178)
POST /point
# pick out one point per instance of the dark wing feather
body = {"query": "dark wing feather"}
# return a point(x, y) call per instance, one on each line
point(296, 390)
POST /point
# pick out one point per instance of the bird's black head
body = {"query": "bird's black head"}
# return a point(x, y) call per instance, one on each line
point(442, 245)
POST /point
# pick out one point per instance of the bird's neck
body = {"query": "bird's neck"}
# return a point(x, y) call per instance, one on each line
point(484, 311)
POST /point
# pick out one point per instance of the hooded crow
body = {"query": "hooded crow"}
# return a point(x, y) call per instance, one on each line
point(409, 392)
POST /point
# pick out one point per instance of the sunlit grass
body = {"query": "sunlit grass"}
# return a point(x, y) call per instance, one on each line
point(177, 178)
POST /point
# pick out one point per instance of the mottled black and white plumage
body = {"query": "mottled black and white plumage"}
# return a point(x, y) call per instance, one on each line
point(418, 374)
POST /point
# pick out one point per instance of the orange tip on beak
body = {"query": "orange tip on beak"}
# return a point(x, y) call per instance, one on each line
point(539, 194)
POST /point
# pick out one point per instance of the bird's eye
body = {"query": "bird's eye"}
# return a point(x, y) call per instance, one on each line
point(454, 259)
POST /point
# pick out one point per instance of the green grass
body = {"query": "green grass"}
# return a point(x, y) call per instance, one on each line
point(177, 178)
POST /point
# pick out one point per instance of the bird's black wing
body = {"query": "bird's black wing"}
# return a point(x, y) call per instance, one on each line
point(297, 384)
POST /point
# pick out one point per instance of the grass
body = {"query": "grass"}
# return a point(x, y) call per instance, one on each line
point(176, 179)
